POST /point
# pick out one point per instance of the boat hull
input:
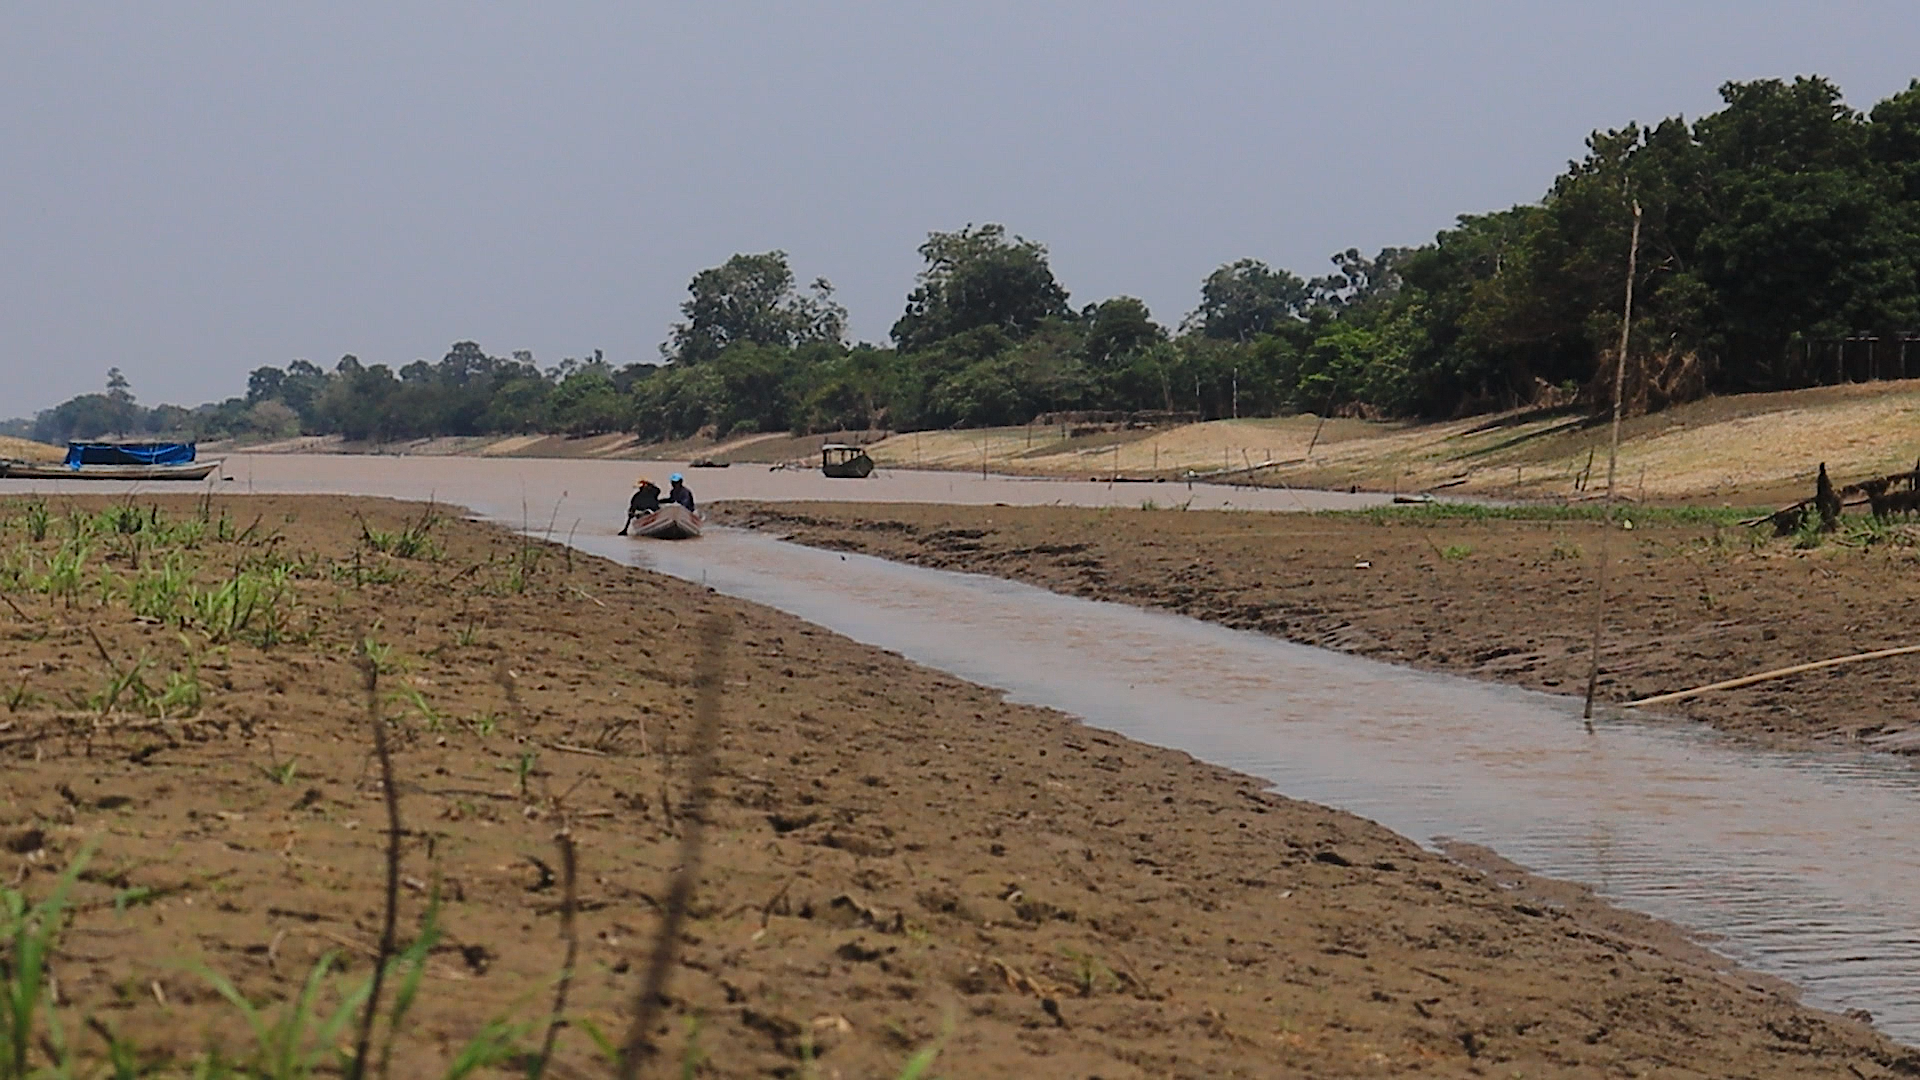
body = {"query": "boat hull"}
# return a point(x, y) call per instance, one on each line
point(20, 470)
point(856, 468)
point(671, 522)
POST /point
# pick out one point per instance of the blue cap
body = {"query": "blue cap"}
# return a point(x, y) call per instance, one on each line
point(674, 479)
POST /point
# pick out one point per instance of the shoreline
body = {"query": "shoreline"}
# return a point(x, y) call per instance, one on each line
point(898, 859)
point(1743, 449)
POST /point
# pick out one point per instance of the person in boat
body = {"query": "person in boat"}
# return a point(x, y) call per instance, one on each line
point(679, 492)
point(646, 499)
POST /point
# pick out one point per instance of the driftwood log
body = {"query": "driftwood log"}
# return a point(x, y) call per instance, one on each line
point(1776, 673)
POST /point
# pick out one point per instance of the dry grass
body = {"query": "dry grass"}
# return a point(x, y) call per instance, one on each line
point(1749, 446)
point(1743, 449)
point(28, 450)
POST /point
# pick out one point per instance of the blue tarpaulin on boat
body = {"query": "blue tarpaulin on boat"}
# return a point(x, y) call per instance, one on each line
point(170, 453)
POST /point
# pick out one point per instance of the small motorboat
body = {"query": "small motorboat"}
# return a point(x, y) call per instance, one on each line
point(117, 461)
point(671, 522)
point(845, 462)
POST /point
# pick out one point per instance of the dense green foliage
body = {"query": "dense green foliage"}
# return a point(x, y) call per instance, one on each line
point(1771, 227)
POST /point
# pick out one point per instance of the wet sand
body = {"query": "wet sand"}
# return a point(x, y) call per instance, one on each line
point(896, 859)
point(1506, 601)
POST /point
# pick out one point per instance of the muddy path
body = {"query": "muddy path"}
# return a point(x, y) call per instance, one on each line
point(1503, 600)
point(897, 860)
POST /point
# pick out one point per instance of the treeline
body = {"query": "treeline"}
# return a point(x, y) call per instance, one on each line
point(1783, 219)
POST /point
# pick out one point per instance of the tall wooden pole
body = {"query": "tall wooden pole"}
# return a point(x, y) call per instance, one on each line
point(1613, 459)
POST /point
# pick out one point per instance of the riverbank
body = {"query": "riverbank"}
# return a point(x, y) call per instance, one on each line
point(897, 861)
point(1695, 597)
point(1742, 449)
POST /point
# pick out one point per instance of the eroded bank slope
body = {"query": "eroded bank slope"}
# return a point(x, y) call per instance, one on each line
point(896, 859)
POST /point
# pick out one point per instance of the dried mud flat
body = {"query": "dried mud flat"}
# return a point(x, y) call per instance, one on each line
point(1504, 600)
point(895, 860)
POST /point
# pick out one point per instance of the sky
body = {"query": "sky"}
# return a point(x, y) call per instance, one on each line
point(191, 190)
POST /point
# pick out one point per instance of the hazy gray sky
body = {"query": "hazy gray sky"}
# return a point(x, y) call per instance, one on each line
point(191, 190)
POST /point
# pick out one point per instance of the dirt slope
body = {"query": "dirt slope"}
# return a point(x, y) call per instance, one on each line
point(1752, 447)
point(28, 450)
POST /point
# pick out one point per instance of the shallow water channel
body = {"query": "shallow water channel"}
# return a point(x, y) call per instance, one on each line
point(1804, 866)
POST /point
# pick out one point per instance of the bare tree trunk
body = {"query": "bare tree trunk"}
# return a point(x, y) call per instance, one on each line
point(1613, 458)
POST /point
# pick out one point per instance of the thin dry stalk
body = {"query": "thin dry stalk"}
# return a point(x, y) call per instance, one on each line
point(569, 904)
point(104, 655)
point(389, 928)
point(15, 607)
point(1613, 459)
point(710, 680)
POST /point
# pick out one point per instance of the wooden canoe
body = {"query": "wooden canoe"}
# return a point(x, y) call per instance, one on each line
point(23, 470)
point(671, 522)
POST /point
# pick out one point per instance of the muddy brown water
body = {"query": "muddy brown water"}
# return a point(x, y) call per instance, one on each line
point(1803, 866)
point(599, 489)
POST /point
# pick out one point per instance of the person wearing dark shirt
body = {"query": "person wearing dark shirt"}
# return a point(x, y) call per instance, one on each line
point(646, 499)
point(680, 493)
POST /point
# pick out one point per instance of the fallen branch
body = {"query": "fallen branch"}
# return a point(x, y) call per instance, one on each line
point(568, 748)
point(1801, 505)
point(1777, 673)
point(1211, 474)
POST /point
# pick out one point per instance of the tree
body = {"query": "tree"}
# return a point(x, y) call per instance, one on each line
point(586, 402)
point(87, 416)
point(975, 278)
point(263, 384)
point(1115, 330)
point(751, 299)
point(1358, 280)
point(301, 389)
point(1801, 234)
point(1893, 141)
point(860, 390)
point(1243, 300)
point(125, 414)
point(273, 420)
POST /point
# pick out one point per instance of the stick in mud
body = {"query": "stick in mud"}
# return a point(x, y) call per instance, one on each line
point(1613, 458)
point(570, 883)
point(710, 684)
point(389, 926)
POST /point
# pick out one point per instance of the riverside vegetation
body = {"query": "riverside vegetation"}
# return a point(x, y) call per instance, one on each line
point(1774, 228)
